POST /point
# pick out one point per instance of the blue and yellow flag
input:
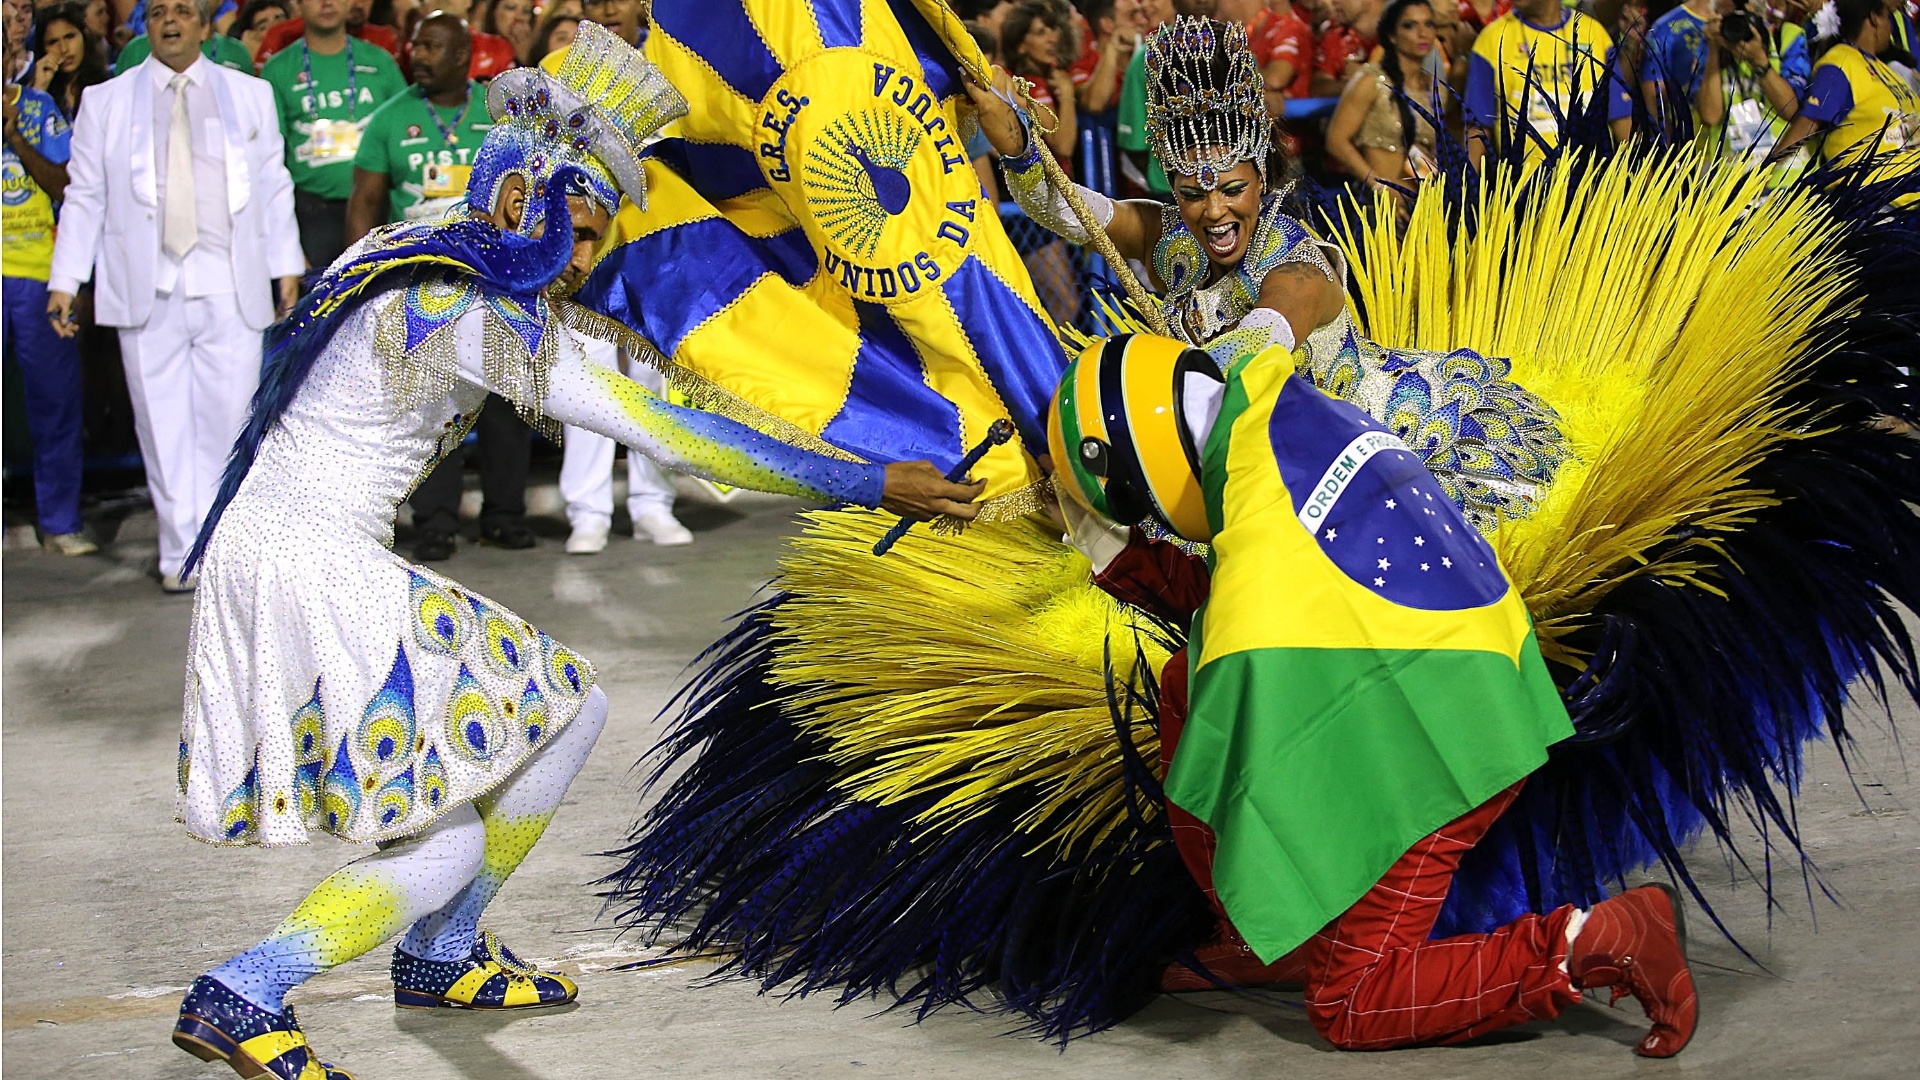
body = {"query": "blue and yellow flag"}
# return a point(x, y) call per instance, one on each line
point(1363, 671)
point(815, 244)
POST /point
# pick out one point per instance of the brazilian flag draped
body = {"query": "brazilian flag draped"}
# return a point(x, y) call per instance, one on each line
point(1363, 671)
point(815, 244)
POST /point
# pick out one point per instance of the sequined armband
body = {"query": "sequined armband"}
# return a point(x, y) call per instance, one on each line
point(1034, 191)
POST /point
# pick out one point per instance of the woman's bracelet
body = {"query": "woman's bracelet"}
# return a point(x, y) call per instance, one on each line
point(1029, 157)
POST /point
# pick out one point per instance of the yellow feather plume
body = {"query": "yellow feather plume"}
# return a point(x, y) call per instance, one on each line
point(961, 665)
point(1660, 308)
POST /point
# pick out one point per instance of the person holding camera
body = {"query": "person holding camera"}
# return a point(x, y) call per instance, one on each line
point(1717, 67)
point(1751, 88)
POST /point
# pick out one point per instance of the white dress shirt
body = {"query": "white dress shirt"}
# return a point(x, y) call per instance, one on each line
point(207, 269)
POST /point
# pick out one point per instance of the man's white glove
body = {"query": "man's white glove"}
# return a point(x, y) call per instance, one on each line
point(1100, 540)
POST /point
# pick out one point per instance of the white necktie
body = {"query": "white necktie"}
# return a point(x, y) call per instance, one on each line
point(180, 229)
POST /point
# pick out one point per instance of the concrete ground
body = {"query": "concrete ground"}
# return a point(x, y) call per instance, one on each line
point(110, 909)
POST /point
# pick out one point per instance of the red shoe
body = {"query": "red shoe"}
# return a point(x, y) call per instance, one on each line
point(1233, 963)
point(1636, 943)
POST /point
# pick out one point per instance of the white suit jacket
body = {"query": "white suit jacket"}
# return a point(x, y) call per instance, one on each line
point(110, 223)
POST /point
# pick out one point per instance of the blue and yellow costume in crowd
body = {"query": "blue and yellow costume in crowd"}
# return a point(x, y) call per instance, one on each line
point(49, 363)
point(1867, 106)
point(1523, 77)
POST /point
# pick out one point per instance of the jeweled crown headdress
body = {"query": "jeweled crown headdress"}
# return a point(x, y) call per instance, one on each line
point(1206, 99)
point(595, 112)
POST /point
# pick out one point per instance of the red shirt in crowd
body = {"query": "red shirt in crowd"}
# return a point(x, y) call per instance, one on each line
point(1471, 17)
point(1083, 65)
point(1285, 37)
point(492, 54)
point(1341, 45)
point(282, 34)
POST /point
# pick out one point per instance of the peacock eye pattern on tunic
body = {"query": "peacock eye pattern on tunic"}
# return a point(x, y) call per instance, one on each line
point(433, 303)
point(340, 792)
point(395, 800)
point(439, 624)
point(386, 733)
point(506, 651)
point(433, 780)
point(533, 713)
point(240, 813)
point(309, 724)
point(567, 674)
point(387, 766)
point(473, 728)
point(182, 769)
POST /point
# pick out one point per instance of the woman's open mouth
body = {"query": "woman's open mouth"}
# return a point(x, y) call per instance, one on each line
point(1222, 240)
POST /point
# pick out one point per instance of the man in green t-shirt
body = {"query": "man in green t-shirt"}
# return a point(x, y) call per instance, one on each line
point(327, 86)
point(418, 148)
point(1130, 127)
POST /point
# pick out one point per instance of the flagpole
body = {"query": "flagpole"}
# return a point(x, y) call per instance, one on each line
point(948, 26)
point(1097, 233)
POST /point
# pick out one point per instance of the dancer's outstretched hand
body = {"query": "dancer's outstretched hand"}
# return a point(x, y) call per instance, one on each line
point(998, 119)
point(917, 490)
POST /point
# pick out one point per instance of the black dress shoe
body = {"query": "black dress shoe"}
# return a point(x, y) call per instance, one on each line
point(433, 547)
point(508, 534)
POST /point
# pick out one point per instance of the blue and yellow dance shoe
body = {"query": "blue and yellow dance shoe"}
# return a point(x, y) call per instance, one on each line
point(492, 978)
point(217, 1024)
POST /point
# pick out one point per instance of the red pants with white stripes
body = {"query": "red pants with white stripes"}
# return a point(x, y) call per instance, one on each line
point(1375, 981)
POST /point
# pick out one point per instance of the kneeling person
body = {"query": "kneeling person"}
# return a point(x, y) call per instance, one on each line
point(1366, 698)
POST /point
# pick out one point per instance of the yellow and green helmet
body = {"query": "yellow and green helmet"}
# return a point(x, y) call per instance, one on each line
point(1116, 431)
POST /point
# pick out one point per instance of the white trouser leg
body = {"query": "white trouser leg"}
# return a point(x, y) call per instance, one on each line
point(360, 906)
point(157, 358)
point(225, 367)
point(516, 815)
point(648, 485)
point(586, 477)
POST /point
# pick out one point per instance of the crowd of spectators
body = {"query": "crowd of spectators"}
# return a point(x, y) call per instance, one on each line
point(1361, 91)
point(357, 113)
point(377, 106)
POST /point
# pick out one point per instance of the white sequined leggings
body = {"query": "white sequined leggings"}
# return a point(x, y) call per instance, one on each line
point(433, 884)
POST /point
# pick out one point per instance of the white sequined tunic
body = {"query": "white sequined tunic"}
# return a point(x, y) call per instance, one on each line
point(330, 683)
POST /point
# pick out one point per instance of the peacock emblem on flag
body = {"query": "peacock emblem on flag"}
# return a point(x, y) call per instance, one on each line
point(856, 178)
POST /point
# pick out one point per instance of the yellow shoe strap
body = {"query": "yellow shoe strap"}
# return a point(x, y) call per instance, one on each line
point(264, 1048)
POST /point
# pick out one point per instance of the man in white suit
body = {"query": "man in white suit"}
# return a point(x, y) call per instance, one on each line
point(181, 210)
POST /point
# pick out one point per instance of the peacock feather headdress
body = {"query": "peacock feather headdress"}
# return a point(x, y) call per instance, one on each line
point(594, 111)
point(1206, 99)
